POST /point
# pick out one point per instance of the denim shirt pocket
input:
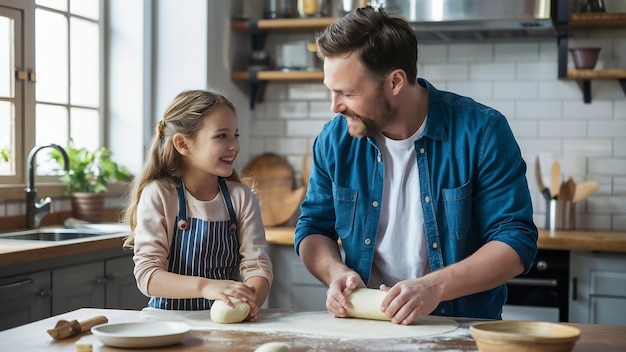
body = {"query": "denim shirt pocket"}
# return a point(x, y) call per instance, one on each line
point(458, 207)
point(345, 209)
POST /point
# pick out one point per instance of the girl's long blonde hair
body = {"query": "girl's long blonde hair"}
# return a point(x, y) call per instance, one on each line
point(184, 115)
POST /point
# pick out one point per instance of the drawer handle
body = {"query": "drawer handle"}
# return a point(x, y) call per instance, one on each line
point(533, 282)
point(16, 284)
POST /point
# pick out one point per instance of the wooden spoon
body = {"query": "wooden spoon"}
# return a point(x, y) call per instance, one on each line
point(555, 179)
point(538, 175)
point(584, 190)
point(567, 190)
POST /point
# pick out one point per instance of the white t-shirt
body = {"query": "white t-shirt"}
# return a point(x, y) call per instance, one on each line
point(401, 249)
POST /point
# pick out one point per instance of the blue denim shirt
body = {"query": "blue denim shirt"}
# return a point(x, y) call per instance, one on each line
point(472, 183)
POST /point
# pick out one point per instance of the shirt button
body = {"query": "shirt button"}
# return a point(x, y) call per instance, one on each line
point(421, 150)
point(427, 199)
point(368, 241)
point(378, 158)
point(375, 204)
point(435, 245)
point(442, 311)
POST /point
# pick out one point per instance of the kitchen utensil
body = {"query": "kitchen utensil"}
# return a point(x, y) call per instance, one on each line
point(307, 159)
point(555, 179)
point(518, 336)
point(545, 191)
point(64, 328)
point(584, 190)
point(538, 178)
point(567, 190)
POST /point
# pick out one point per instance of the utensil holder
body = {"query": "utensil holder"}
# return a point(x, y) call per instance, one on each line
point(560, 215)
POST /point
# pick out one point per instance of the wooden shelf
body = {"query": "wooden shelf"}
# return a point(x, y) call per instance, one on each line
point(588, 20)
point(279, 75)
point(573, 73)
point(285, 24)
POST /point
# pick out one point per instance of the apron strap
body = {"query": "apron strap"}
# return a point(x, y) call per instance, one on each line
point(182, 204)
point(229, 205)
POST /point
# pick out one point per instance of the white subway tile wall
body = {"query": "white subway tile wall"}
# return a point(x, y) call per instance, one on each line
point(547, 115)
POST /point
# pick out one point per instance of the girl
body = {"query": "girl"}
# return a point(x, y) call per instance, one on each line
point(197, 230)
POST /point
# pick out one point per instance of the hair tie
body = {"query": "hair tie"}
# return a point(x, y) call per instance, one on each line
point(159, 127)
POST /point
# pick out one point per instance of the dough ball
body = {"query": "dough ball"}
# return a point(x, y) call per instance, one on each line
point(365, 303)
point(224, 314)
point(273, 347)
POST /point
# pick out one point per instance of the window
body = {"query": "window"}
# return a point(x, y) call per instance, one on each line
point(50, 80)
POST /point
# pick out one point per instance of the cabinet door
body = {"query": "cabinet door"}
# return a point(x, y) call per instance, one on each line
point(121, 290)
point(598, 288)
point(24, 299)
point(294, 287)
point(79, 286)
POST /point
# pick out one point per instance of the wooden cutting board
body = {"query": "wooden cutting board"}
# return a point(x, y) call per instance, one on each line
point(272, 179)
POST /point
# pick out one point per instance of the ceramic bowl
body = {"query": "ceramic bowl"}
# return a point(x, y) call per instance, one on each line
point(585, 58)
point(524, 336)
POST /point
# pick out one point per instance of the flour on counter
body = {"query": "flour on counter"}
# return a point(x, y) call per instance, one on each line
point(311, 323)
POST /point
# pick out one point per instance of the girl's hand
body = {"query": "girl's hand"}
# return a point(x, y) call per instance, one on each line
point(223, 289)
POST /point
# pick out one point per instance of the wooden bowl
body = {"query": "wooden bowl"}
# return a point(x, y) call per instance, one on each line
point(524, 336)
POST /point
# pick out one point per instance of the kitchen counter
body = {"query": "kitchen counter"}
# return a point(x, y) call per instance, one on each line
point(603, 241)
point(14, 252)
point(33, 336)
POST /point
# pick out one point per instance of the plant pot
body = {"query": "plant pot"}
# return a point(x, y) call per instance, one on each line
point(88, 206)
point(585, 58)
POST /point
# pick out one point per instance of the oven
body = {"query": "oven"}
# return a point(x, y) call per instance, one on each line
point(542, 294)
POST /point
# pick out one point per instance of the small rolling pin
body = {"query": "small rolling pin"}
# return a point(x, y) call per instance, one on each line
point(64, 328)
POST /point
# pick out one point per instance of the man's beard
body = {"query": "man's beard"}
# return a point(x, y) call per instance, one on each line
point(371, 126)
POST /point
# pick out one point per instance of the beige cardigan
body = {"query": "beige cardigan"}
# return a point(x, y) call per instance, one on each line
point(156, 216)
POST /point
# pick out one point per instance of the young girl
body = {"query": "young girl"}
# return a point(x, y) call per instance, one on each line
point(197, 230)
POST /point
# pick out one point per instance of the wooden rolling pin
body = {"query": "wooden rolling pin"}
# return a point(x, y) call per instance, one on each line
point(64, 329)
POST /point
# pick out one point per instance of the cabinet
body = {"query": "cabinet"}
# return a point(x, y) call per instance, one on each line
point(565, 24)
point(598, 288)
point(25, 298)
point(102, 284)
point(258, 29)
point(108, 283)
point(293, 286)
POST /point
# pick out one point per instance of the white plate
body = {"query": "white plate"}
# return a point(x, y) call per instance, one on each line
point(141, 334)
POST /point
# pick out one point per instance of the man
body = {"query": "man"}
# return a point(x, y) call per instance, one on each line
point(425, 189)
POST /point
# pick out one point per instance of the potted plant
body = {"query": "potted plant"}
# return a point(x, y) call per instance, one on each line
point(87, 179)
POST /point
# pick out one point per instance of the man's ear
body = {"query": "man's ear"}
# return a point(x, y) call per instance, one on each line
point(397, 79)
point(180, 143)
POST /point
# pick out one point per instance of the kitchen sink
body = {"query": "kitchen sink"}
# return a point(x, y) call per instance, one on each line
point(52, 234)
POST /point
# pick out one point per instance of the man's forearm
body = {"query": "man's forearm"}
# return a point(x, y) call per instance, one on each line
point(322, 257)
point(490, 266)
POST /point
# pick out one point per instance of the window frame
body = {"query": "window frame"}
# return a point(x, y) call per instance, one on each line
point(12, 187)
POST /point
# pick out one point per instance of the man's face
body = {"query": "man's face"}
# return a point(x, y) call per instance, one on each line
point(357, 96)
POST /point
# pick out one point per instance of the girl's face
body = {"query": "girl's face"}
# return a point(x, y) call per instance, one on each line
point(214, 149)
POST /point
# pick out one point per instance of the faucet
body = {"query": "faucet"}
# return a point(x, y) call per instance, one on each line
point(36, 210)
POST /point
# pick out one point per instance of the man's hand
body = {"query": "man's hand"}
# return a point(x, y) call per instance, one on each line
point(336, 301)
point(408, 299)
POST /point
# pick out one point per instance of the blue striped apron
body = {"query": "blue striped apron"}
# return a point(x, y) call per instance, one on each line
point(201, 248)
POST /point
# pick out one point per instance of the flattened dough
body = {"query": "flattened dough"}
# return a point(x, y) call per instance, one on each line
point(224, 314)
point(365, 304)
point(312, 324)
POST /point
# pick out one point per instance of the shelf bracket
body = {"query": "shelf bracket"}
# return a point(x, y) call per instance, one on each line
point(257, 87)
point(585, 86)
point(622, 82)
